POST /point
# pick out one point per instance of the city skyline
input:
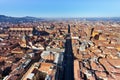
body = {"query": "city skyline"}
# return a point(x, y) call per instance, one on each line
point(62, 8)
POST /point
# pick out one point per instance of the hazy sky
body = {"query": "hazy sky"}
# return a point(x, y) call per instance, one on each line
point(60, 8)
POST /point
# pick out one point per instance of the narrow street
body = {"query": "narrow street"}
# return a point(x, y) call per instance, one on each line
point(68, 58)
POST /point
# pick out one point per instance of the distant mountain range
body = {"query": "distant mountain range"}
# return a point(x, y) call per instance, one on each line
point(4, 18)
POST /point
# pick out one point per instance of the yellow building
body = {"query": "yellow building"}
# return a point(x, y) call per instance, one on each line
point(95, 33)
point(102, 37)
point(118, 48)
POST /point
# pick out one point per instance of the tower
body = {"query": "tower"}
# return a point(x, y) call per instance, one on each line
point(23, 41)
point(68, 28)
